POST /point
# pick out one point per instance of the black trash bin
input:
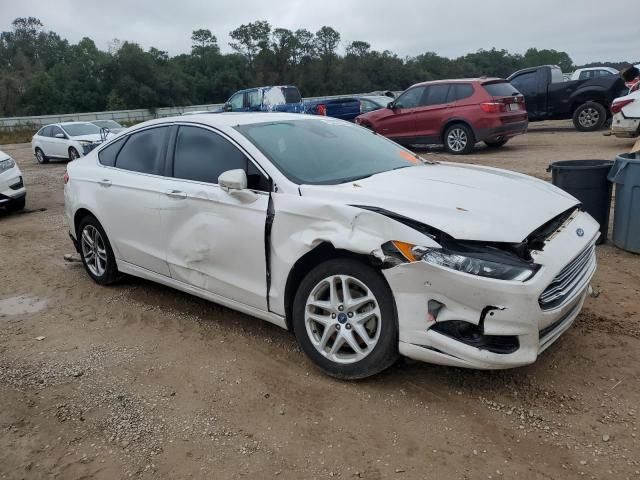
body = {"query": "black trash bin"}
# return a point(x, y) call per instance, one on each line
point(587, 181)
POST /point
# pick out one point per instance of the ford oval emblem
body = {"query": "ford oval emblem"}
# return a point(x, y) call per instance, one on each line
point(580, 232)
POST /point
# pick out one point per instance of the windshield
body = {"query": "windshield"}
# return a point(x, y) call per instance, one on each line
point(381, 101)
point(325, 152)
point(78, 129)
point(107, 124)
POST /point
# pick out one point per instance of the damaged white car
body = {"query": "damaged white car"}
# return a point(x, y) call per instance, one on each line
point(363, 250)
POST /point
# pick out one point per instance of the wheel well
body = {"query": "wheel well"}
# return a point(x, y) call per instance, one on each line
point(453, 122)
point(72, 148)
point(323, 252)
point(78, 217)
point(596, 99)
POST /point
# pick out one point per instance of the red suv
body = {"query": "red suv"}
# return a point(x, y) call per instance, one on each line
point(456, 113)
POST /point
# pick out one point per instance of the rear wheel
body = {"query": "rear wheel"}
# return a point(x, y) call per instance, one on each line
point(344, 319)
point(41, 157)
point(73, 154)
point(496, 143)
point(589, 117)
point(96, 253)
point(459, 139)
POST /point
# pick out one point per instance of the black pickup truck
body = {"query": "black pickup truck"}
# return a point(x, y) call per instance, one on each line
point(549, 97)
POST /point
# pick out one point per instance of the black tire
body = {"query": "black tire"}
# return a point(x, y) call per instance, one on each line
point(110, 274)
point(41, 157)
point(17, 205)
point(384, 353)
point(496, 143)
point(589, 117)
point(463, 141)
point(73, 154)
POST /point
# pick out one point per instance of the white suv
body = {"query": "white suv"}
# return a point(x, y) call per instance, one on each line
point(69, 140)
point(626, 116)
point(12, 192)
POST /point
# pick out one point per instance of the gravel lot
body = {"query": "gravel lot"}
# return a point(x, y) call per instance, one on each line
point(137, 380)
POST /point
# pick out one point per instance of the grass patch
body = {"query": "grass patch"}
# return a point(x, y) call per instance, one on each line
point(20, 135)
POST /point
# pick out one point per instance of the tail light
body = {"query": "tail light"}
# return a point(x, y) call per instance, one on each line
point(322, 110)
point(493, 107)
point(65, 177)
point(616, 107)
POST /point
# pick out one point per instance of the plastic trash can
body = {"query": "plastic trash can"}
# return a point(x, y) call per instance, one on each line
point(587, 181)
point(625, 173)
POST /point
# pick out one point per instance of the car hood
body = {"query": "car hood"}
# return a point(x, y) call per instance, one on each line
point(465, 201)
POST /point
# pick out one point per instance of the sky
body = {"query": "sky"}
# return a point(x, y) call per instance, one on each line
point(588, 30)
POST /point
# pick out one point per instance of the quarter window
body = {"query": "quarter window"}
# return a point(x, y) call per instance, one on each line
point(107, 155)
point(144, 151)
point(202, 155)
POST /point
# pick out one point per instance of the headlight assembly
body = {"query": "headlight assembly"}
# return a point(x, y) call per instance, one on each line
point(6, 164)
point(490, 263)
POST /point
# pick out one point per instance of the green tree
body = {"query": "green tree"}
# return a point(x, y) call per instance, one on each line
point(250, 39)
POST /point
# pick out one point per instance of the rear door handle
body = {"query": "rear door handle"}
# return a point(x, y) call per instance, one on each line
point(105, 182)
point(177, 194)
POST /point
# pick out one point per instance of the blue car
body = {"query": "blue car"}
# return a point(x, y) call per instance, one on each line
point(284, 98)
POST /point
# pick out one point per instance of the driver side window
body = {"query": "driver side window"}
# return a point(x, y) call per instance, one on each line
point(237, 101)
point(410, 98)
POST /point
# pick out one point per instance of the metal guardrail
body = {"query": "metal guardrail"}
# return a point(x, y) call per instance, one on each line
point(126, 116)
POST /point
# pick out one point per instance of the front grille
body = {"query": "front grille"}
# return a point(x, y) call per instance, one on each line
point(564, 286)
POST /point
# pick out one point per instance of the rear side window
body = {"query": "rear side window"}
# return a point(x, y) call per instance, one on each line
point(501, 89)
point(291, 95)
point(202, 155)
point(459, 91)
point(255, 98)
point(144, 151)
point(107, 155)
point(435, 95)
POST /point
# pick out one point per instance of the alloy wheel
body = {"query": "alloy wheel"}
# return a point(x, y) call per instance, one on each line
point(93, 250)
point(39, 156)
point(343, 319)
point(589, 117)
point(457, 139)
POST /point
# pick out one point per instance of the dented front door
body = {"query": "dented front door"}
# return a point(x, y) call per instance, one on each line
point(215, 240)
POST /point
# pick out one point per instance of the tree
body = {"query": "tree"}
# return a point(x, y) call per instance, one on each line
point(358, 48)
point(534, 57)
point(202, 40)
point(250, 39)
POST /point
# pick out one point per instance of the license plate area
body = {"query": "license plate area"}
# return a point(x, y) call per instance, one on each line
point(513, 107)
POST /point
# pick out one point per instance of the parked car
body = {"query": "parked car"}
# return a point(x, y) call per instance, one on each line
point(322, 227)
point(370, 103)
point(347, 108)
point(549, 97)
point(285, 98)
point(456, 113)
point(13, 194)
point(69, 140)
point(111, 125)
point(593, 72)
point(626, 115)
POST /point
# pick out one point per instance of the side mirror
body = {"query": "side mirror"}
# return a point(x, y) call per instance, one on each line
point(233, 180)
point(60, 135)
point(227, 107)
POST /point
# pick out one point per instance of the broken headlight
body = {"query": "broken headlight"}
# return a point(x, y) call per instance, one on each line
point(490, 263)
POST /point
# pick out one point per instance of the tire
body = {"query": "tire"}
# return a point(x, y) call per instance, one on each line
point(496, 143)
point(17, 205)
point(458, 139)
point(373, 303)
point(41, 157)
point(73, 154)
point(101, 266)
point(589, 117)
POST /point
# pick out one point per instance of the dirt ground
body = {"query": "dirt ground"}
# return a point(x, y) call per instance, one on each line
point(138, 380)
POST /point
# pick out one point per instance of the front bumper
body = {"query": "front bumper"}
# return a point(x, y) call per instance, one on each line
point(11, 186)
point(623, 127)
point(503, 309)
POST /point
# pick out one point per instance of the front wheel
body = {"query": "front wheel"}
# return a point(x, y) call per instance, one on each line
point(589, 117)
point(459, 139)
point(344, 319)
point(96, 253)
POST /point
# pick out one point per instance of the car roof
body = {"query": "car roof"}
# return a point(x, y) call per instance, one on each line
point(234, 119)
point(461, 80)
point(264, 87)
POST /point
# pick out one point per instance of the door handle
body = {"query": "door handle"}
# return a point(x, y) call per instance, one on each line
point(105, 182)
point(177, 194)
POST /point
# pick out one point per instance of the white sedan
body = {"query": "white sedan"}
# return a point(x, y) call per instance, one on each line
point(365, 251)
point(626, 115)
point(13, 194)
point(67, 140)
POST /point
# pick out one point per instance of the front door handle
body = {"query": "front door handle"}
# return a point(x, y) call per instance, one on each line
point(177, 194)
point(105, 182)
